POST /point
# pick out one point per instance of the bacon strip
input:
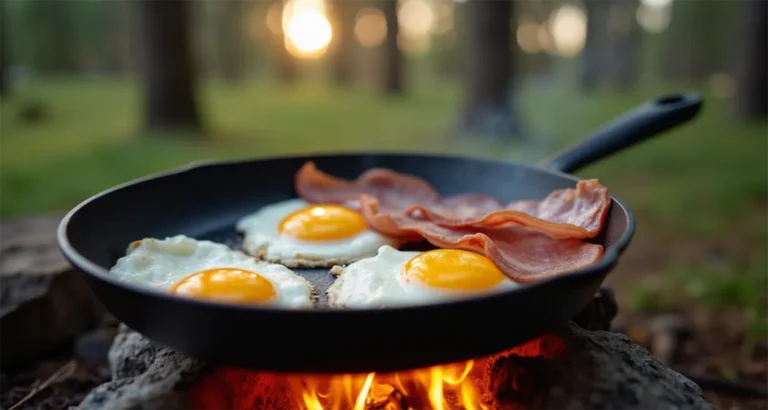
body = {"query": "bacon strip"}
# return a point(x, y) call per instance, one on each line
point(524, 255)
point(395, 189)
point(568, 213)
point(527, 240)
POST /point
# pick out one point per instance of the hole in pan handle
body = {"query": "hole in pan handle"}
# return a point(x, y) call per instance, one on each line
point(648, 120)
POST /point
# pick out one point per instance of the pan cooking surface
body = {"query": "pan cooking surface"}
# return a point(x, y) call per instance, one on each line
point(321, 279)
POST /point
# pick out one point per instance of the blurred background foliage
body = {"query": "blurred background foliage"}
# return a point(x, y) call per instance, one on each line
point(97, 92)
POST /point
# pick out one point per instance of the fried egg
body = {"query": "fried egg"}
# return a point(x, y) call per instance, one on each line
point(209, 270)
point(296, 233)
point(395, 278)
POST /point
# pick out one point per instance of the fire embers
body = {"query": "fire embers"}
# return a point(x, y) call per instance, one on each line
point(471, 385)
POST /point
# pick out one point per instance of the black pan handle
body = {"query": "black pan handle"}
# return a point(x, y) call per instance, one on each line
point(650, 119)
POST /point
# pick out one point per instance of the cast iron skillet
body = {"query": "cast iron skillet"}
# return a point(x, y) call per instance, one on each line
point(204, 200)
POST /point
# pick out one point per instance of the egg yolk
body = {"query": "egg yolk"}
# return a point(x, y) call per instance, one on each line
point(226, 284)
point(452, 269)
point(322, 223)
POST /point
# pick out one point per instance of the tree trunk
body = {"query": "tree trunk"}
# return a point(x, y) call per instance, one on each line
point(230, 46)
point(594, 63)
point(52, 43)
point(697, 41)
point(287, 69)
point(4, 63)
point(750, 100)
point(392, 67)
point(487, 106)
point(344, 39)
point(127, 37)
point(168, 69)
point(626, 46)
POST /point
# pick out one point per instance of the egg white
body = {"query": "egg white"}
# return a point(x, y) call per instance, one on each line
point(264, 240)
point(376, 282)
point(160, 263)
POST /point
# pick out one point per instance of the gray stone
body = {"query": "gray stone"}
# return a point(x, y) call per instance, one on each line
point(144, 376)
point(598, 370)
point(43, 301)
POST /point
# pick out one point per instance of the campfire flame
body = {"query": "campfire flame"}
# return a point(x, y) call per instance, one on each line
point(438, 388)
point(452, 386)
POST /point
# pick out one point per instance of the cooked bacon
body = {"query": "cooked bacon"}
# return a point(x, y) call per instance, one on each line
point(567, 213)
point(524, 255)
point(527, 240)
point(395, 189)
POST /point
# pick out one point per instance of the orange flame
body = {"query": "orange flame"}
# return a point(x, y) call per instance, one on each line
point(457, 385)
point(438, 387)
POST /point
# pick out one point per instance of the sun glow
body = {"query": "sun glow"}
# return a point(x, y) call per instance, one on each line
point(307, 29)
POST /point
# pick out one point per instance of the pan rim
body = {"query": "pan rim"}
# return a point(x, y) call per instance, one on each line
point(607, 261)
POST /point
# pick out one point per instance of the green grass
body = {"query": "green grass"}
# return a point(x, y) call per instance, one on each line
point(92, 137)
point(702, 187)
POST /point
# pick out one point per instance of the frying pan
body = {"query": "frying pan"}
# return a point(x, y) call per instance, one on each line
point(203, 200)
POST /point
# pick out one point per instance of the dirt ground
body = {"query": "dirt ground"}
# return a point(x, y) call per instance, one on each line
point(76, 379)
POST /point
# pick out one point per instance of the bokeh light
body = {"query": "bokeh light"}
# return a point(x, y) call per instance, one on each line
point(654, 19)
point(416, 18)
point(544, 38)
point(370, 27)
point(528, 37)
point(417, 21)
point(443, 10)
point(568, 27)
point(656, 3)
point(307, 29)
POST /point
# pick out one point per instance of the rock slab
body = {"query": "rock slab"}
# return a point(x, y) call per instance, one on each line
point(43, 302)
point(598, 369)
point(144, 376)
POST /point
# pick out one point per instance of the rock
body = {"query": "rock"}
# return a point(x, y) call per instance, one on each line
point(44, 303)
point(599, 370)
point(144, 376)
